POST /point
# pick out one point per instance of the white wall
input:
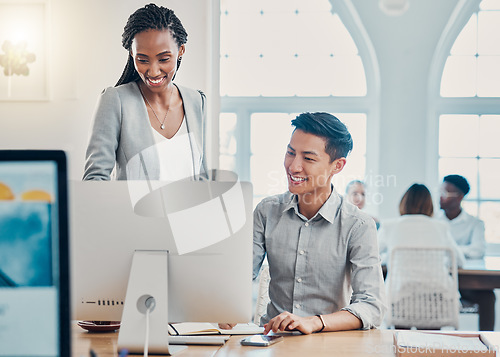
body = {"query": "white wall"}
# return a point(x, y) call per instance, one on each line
point(85, 57)
point(404, 47)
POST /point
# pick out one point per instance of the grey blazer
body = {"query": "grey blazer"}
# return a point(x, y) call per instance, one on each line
point(121, 130)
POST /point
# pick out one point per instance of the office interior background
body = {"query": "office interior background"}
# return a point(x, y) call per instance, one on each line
point(416, 81)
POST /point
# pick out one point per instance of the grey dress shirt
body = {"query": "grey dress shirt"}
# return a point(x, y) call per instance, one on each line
point(322, 265)
point(121, 131)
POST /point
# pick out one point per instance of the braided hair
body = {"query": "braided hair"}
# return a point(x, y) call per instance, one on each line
point(149, 17)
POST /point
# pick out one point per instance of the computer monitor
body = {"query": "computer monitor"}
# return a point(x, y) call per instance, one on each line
point(34, 271)
point(209, 272)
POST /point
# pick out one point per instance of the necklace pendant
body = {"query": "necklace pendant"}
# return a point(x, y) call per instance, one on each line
point(162, 127)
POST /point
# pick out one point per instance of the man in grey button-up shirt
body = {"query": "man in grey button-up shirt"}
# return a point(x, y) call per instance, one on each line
point(322, 251)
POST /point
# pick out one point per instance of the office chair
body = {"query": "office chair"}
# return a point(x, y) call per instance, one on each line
point(422, 288)
point(263, 294)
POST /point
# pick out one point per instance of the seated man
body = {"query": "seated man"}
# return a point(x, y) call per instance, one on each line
point(322, 253)
point(468, 232)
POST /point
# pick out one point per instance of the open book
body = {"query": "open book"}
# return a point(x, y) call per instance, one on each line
point(206, 328)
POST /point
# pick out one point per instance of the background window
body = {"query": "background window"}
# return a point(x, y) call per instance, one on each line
point(297, 57)
point(468, 130)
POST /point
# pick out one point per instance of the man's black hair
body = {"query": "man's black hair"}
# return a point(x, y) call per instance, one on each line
point(326, 125)
point(459, 181)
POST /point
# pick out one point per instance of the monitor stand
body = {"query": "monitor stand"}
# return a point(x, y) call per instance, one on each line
point(147, 289)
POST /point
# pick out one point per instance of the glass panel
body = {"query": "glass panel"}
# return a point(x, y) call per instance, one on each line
point(353, 170)
point(464, 167)
point(227, 133)
point(289, 59)
point(356, 124)
point(470, 207)
point(341, 40)
point(349, 76)
point(490, 5)
point(466, 42)
point(344, 76)
point(489, 212)
point(227, 162)
point(459, 77)
point(489, 170)
point(488, 76)
point(235, 71)
point(227, 141)
point(458, 135)
point(489, 126)
point(270, 134)
point(489, 33)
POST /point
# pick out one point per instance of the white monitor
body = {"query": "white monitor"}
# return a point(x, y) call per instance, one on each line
point(210, 284)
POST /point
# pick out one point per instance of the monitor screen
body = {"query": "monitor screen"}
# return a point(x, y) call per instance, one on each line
point(205, 226)
point(34, 287)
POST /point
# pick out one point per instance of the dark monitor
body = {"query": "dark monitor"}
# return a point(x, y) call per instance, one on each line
point(34, 269)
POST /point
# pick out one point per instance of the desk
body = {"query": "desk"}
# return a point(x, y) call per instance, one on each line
point(480, 274)
point(340, 344)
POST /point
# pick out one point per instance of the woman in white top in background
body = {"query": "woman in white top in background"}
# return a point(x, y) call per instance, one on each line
point(416, 227)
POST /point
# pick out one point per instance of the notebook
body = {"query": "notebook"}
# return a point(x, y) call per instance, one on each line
point(34, 283)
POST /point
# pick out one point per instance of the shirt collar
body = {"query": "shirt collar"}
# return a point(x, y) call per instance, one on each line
point(328, 211)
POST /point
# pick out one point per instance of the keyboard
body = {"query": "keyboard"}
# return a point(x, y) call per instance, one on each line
point(198, 340)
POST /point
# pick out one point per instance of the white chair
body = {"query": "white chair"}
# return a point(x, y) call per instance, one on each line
point(263, 294)
point(422, 288)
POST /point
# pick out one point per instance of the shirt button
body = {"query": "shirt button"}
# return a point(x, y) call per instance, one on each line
point(299, 280)
point(301, 252)
point(307, 224)
point(297, 306)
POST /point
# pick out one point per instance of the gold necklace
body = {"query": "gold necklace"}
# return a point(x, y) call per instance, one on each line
point(162, 123)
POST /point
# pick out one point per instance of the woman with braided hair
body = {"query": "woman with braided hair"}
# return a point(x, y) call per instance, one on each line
point(147, 127)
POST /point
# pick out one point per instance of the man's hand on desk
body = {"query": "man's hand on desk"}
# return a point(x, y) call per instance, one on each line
point(226, 326)
point(287, 321)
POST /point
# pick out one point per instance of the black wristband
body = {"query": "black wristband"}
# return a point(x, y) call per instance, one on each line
point(322, 321)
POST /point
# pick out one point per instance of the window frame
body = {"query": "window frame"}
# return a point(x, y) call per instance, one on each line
point(244, 107)
point(439, 105)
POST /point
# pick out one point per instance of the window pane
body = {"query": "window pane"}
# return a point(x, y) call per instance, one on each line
point(270, 134)
point(490, 178)
point(458, 135)
point(227, 133)
point(464, 167)
point(227, 162)
point(356, 161)
point(488, 76)
point(488, 136)
point(489, 33)
point(356, 124)
point(466, 42)
point(459, 77)
point(227, 141)
point(291, 46)
point(489, 212)
point(490, 5)
point(470, 207)
point(247, 69)
point(353, 170)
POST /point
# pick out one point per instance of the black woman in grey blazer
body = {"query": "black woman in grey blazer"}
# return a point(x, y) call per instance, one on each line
point(141, 102)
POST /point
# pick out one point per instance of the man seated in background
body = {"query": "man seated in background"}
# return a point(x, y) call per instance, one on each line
point(322, 253)
point(468, 232)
